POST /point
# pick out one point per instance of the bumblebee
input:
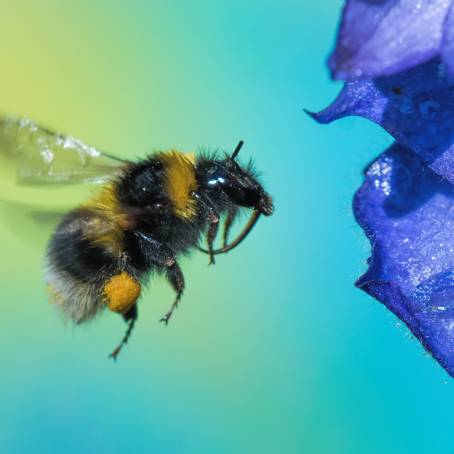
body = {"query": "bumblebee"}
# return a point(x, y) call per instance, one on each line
point(142, 219)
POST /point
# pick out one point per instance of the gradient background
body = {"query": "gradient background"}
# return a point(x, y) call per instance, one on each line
point(273, 350)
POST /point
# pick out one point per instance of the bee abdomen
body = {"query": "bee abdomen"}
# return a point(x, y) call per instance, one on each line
point(77, 268)
point(79, 301)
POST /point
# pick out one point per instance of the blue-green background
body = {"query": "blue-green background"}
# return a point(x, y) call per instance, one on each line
point(272, 350)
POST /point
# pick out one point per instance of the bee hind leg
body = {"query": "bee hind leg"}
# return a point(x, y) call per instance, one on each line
point(130, 318)
point(176, 280)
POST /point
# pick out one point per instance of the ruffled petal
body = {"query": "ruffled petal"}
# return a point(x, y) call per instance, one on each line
point(407, 212)
point(382, 37)
point(416, 107)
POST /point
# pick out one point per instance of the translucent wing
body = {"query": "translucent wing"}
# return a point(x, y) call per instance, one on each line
point(31, 155)
point(42, 156)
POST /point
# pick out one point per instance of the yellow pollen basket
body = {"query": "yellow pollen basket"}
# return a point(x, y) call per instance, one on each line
point(121, 292)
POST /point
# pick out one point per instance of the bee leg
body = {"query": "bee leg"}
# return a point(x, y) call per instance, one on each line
point(132, 314)
point(231, 216)
point(176, 280)
point(159, 254)
point(130, 318)
point(211, 236)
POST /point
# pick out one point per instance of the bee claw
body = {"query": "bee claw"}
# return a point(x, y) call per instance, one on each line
point(178, 285)
point(115, 353)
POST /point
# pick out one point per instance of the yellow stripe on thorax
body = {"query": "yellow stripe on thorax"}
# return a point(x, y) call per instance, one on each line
point(180, 181)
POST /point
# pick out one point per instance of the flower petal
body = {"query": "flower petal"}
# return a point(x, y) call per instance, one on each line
point(382, 37)
point(416, 107)
point(447, 43)
point(407, 212)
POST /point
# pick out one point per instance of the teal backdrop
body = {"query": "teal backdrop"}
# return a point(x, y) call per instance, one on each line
point(273, 350)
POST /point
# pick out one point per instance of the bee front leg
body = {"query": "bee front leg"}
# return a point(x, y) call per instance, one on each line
point(231, 216)
point(176, 280)
point(211, 236)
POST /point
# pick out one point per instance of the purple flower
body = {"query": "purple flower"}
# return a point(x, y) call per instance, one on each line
point(398, 60)
point(382, 37)
point(407, 212)
point(415, 106)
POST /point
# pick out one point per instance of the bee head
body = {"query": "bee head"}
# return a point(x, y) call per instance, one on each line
point(238, 183)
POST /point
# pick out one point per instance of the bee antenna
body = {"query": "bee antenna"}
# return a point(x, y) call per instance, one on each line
point(237, 149)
